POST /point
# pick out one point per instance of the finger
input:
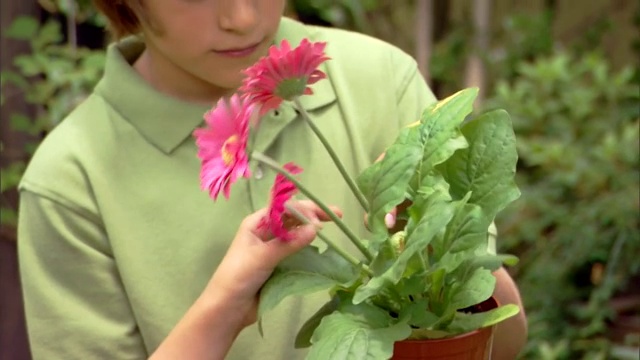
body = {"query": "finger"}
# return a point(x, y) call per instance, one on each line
point(312, 211)
point(390, 219)
point(400, 222)
point(252, 220)
point(299, 237)
point(262, 232)
point(325, 217)
point(302, 236)
point(319, 214)
point(252, 225)
point(295, 216)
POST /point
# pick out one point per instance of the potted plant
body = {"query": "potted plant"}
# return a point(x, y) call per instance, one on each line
point(427, 281)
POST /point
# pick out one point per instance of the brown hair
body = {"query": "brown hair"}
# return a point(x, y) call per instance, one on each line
point(123, 15)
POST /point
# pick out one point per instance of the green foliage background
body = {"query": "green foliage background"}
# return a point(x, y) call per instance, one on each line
point(576, 118)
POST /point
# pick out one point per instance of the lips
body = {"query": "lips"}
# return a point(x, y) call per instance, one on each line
point(239, 51)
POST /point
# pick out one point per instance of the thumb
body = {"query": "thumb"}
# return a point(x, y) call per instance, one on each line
point(299, 238)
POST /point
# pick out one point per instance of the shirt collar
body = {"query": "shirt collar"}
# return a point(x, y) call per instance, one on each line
point(165, 121)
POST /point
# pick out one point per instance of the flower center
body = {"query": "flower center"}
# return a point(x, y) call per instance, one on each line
point(229, 150)
point(289, 88)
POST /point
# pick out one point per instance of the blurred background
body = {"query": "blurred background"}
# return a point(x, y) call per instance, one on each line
point(566, 70)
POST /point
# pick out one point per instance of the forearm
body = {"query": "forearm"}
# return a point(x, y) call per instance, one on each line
point(511, 335)
point(230, 300)
point(207, 330)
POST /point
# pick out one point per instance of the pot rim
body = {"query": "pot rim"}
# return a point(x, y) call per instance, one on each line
point(455, 337)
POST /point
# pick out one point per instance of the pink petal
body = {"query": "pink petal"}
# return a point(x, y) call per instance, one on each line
point(224, 136)
point(283, 63)
point(281, 192)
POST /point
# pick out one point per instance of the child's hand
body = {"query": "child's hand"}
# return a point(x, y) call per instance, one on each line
point(254, 254)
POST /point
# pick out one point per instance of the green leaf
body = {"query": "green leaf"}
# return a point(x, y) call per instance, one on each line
point(493, 262)
point(422, 334)
point(365, 332)
point(31, 147)
point(440, 130)
point(385, 183)
point(463, 323)
point(476, 289)
point(303, 339)
point(428, 217)
point(28, 65)
point(419, 147)
point(432, 182)
point(8, 216)
point(417, 314)
point(386, 255)
point(467, 231)
point(21, 122)
point(22, 28)
point(50, 33)
point(10, 77)
point(305, 272)
point(94, 60)
point(11, 175)
point(42, 124)
point(412, 285)
point(487, 167)
point(436, 280)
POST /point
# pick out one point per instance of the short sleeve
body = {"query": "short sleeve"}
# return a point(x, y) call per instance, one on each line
point(75, 303)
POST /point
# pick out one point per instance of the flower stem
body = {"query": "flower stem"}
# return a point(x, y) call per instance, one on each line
point(276, 167)
point(350, 182)
point(330, 243)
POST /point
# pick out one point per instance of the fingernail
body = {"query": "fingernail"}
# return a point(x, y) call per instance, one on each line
point(390, 220)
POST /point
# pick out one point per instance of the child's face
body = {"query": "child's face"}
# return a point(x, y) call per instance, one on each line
point(211, 40)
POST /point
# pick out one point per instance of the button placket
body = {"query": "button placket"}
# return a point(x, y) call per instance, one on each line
point(270, 126)
point(257, 186)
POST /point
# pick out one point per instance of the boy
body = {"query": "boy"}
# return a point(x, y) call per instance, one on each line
point(117, 242)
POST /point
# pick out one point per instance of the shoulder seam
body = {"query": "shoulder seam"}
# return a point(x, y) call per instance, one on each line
point(404, 85)
point(42, 192)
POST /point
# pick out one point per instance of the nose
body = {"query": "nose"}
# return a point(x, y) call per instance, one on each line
point(239, 16)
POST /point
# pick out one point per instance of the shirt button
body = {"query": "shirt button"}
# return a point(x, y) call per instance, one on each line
point(258, 173)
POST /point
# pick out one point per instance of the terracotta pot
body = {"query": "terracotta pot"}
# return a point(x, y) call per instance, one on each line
point(475, 345)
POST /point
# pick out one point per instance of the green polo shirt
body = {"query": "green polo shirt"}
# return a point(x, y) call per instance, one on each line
point(116, 239)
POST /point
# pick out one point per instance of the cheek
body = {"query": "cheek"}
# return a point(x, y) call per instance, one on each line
point(182, 28)
point(273, 12)
point(191, 39)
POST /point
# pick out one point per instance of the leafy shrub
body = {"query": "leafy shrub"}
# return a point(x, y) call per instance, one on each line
point(54, 77)
point(575, 228)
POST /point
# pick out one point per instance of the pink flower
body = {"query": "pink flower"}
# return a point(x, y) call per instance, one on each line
point(284, 74)
point(222, 145)
point(281, 192)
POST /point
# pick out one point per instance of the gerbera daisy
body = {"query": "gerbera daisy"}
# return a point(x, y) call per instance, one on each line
point(282, 190)
point(222, 145)
point(284, 73)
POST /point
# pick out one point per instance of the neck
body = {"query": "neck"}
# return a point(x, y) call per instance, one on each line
point(171, 80)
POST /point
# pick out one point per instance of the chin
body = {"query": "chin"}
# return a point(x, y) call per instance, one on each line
point(228, 84)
